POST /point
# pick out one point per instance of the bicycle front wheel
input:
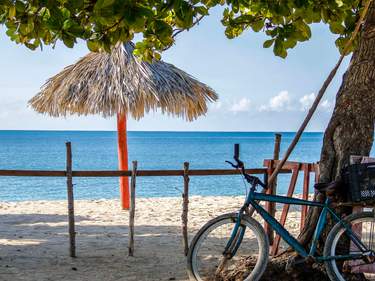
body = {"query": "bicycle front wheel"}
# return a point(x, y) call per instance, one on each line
point(338, 244)
point(207, 262)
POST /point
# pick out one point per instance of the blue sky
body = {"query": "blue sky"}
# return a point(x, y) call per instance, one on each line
point(258, 91)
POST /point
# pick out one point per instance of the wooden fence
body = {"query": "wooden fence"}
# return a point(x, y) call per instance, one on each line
point(185, 173)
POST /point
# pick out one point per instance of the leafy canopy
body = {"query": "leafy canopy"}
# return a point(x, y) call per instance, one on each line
point(104, 23)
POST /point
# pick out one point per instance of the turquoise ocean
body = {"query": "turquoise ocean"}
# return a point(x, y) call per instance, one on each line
point(94, 150)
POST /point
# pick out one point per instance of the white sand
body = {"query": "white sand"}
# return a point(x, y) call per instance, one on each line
point(34, 240)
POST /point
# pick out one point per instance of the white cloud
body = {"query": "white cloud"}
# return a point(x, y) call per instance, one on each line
point(306, 101)
point(242, 105)
point(326, 105)
point(280, 102)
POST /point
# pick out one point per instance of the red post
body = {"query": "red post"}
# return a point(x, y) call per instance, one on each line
point(123, 159)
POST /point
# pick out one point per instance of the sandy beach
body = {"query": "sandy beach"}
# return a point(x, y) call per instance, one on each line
point(34, 239)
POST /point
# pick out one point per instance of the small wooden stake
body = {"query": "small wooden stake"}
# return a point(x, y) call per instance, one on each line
point(69, 184)
point(132, 209)
point(185, 209)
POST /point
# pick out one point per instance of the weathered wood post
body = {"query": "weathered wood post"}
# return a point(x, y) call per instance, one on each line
point(185, 208)
point(271, 206)
point(132, 208)
point(69, 185)
point(316, 171)
point(284, 213)
point(305, 193)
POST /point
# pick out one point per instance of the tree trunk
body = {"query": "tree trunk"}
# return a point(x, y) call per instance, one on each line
point(351, 128)
point(349, 132)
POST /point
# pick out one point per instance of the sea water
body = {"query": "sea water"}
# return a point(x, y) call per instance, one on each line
point(92, 150)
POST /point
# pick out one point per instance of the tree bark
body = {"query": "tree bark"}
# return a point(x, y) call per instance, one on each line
point(351, 128)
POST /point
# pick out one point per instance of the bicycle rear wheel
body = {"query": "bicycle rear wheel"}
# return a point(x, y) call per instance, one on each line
point(206, 260)
point(338, 243)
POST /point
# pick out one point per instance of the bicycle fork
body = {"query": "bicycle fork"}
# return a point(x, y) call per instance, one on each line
point(234, 242)
point(237, 235)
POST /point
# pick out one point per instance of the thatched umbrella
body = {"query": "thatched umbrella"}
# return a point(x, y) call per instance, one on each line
point(120, 84)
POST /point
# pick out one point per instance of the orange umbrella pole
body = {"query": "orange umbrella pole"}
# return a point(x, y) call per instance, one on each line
point(123, 159)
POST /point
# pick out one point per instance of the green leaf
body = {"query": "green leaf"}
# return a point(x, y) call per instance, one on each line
point(101, 4)
point(68, 41)
point(31, 46)
point(10, 32)
point(339, 3)
point(184, 14)
point(257, 26)
point(232, 32)
point(279, 49)
point(268, 43)
point(93, 46)
point(12, 11)
point(20, 6)
point(65, 13)
point(26, 28)
point(304, 29)
point(67, 24)
point(300, 3)
point(290, 43)
point(336, 28)
point(201, 10)
point(3, 17)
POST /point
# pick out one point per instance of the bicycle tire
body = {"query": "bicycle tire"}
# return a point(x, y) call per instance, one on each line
point(257, 229)
point(332, 241)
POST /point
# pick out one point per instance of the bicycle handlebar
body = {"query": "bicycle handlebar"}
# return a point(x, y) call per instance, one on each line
point(240, 165)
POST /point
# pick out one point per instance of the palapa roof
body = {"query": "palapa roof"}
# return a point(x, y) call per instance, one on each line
point(107, 84)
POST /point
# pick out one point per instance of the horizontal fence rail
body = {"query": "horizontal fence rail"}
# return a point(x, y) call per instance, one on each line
point(140, 173)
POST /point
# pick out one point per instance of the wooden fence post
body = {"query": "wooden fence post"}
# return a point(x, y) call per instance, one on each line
point(316, 171)
point(271, 206)
point(305, 193)
point(69, 184)
point(132, 209)
point(185, 209)
point(284, 213)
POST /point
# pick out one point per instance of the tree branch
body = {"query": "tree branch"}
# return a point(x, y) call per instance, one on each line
point(178, 31)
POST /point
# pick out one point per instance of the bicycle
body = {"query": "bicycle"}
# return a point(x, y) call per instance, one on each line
point(233, 238)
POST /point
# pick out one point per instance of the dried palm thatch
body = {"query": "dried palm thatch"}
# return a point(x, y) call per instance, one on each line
point(107, 84)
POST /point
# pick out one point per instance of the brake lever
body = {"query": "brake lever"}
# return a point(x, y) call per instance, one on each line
point(230, 163)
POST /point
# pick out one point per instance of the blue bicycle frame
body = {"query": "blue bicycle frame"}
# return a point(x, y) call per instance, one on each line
point(253, 198)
